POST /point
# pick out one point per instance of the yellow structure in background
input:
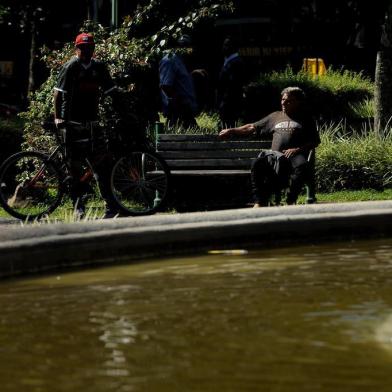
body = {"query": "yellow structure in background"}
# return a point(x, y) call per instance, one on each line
point(315, 66)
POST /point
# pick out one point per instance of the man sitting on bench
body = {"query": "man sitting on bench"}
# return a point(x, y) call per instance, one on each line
point(294, 135)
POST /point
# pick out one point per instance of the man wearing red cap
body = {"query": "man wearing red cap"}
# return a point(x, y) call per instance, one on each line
point(80, 84)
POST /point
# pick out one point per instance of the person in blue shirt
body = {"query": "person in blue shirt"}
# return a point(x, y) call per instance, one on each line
point(177, 89)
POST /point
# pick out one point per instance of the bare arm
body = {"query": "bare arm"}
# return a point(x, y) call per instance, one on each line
point(243, 130)
point(57, 98)
point(57, 103)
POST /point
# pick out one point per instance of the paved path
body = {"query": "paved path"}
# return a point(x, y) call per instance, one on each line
point(30, 248)
point(8, 221)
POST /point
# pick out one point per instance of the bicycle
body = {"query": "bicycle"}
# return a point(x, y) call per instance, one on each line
point(33, 183)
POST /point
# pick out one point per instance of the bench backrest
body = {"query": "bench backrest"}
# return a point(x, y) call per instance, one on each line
point(189, 152)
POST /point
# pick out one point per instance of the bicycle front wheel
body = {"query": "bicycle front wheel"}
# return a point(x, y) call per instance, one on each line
point(30, 185)
point(140, 183)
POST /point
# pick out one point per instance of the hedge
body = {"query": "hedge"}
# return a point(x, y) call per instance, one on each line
point(333, 96)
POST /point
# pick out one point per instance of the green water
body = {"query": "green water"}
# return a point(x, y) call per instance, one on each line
point(297, 319)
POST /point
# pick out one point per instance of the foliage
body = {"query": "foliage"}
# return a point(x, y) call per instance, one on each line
point(24, 13)
point(362, 109)
point(132, 60)
point(181, 17)
point(359, 161)
point(331, 96)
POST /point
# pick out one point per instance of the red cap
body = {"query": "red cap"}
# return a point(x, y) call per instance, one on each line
point(84, 39)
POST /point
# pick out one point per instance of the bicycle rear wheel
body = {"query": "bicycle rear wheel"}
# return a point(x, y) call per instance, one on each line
point(140, 183)
point(30, 185)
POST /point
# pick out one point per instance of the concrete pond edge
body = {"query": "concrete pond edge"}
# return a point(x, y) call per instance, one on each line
point(35, 249)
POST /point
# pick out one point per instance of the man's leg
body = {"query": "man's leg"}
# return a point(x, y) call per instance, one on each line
point(262, 181)
point(76, 191)
point(297, 181)
point(75, 164)
point(103, 170)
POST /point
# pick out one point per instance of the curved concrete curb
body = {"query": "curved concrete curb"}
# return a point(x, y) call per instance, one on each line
point(40, 248)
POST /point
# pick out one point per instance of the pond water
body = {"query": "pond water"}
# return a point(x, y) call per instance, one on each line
point(312, 318)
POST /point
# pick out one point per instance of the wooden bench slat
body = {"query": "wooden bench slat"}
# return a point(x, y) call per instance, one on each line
point(217, 163)
point(202, 138)
point(187, 138)
point(202, 154)
point(227, 145)
point(211, 172)
point(207, 153)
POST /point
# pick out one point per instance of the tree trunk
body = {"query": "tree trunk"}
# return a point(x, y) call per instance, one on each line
point(92, 10)
point(383, 76)
point(383, 90)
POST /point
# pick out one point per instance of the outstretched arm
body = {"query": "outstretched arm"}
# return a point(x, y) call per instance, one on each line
point(243, 130)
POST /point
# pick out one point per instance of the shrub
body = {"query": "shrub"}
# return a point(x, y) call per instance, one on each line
point(331, 97)
point(359, 161)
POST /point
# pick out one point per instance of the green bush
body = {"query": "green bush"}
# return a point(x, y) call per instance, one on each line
point(359, 161)
point(333, 96)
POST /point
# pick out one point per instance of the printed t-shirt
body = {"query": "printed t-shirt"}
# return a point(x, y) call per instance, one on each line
point(289, 133)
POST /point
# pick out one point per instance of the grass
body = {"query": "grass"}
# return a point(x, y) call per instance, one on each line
point(346, 160)
point(362, 109)
point(350, 196)
point(207, 124)
point(65, 213)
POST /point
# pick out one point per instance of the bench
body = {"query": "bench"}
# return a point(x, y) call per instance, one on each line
point(198, 157)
